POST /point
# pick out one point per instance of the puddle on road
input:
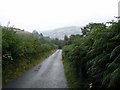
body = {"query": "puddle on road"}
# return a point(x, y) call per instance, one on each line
point(38, 68)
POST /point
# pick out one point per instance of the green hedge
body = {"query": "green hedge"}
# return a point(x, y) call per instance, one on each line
point(94, 57)
point(21, 52)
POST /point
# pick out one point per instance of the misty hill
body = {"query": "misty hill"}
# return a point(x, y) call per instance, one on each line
point(60, 32)
point(23, 33)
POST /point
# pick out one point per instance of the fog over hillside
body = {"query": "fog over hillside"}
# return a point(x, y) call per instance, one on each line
point(61, 32)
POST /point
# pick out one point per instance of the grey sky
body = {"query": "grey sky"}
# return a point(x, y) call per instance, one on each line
point(50, 14)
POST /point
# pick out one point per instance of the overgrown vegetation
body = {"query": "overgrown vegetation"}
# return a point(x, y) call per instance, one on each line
point(20, 52)
point(92, 60)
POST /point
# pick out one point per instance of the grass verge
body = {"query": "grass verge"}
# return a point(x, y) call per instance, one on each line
point(72, 82)
point(16, 70)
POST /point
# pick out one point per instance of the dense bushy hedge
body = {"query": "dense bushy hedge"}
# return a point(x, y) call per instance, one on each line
point(94, 57)
point(20, 51)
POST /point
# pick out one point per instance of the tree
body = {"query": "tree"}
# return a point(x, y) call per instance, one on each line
point(66, 39)
point(41, 35)
point(35, 33)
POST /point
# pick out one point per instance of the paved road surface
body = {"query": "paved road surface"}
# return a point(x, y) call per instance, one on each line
point(49, 74)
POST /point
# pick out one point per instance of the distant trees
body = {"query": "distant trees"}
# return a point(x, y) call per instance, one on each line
point(41, 35)
point(93, 58)
point(35, 32)
point(71, 39)
point(58, 43)
point(66, 40)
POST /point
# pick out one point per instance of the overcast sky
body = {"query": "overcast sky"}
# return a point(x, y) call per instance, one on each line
point(50, 14)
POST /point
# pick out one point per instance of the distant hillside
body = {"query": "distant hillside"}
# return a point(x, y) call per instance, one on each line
point(19, 31)
point(60, 32)
point(22, 32)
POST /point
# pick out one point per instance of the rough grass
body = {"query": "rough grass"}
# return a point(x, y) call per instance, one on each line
point(14, 71)
point(72, 82)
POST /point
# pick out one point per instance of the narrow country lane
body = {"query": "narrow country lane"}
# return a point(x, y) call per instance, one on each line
point(48, 74)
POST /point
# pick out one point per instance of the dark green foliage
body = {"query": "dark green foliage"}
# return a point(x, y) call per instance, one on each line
point(20, 51)
point(94, 56)
point(115, 52)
